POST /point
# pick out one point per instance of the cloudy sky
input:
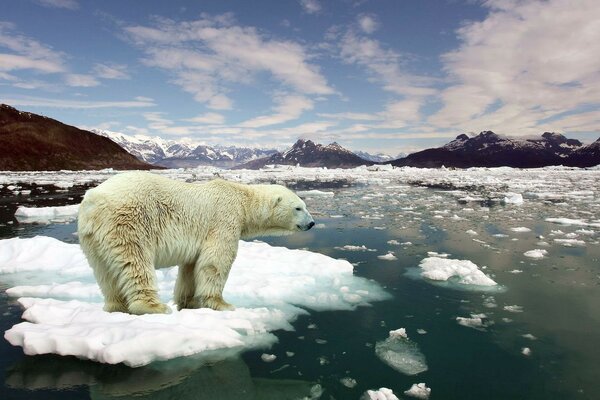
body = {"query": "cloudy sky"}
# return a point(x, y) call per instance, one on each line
point(391, 76)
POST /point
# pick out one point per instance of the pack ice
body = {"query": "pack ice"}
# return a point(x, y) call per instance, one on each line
point(270, 287)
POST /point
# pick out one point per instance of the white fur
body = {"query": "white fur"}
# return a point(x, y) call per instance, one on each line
point(137, 221)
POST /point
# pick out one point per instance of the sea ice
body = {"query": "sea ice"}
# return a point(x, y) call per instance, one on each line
point(537, 253)
point(401, 353)
point(418, 390)
point(270, 287)
point(268, 357)
point(442, 269)
point(348, 382)
point(45, 215)
point(513, 198)
point(477, 321)
point(314, 193)
point(570, 242)
point(350, 247)
point(381, 394)
point(570, 221)
point(389, 256)
point(514, 309)
point(526, 351)
point(520, 229)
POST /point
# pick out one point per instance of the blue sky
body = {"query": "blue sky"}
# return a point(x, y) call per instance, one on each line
point(391, 76)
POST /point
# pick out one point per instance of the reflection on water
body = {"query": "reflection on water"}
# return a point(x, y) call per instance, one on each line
point(559, 296)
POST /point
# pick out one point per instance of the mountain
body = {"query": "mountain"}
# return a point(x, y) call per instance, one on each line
point(183, 154)
point(376, 158)
point(308, 154)
point(586, 156)
point(491, 150)
point(33, 142)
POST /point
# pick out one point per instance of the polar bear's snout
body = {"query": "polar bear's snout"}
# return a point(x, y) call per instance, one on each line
point(307, 222)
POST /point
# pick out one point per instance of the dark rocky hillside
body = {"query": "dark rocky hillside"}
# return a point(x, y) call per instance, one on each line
point(33, 142)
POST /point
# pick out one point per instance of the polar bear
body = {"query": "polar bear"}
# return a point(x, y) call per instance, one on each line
point(135, 222)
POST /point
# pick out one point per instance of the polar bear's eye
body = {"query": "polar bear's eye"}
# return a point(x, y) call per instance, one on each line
point(298, 209)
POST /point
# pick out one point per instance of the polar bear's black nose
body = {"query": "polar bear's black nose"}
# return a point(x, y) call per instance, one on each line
point(311, 224)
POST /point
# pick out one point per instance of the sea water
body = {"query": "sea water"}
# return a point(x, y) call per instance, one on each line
point(532, 335)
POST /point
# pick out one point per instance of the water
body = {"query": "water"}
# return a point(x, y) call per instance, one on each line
point(559, 296)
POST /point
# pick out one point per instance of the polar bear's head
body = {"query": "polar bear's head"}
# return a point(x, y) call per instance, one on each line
point(288, 211)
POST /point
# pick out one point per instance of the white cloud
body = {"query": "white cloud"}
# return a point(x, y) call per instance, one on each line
point(368, 23)
point(111, 71)
point(524, 63)
point(81, 80)
point(75, 104)
point(207, 55)
point(209, 119)
point(350, 116)
point(68, 4)
point(310, 6)
point(289, 107)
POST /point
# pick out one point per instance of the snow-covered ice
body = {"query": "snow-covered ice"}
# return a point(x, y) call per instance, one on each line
point(418, 390)
point(45, 215)
point(476, 321)
point(465, 271)
point(270, 287)
point(520, 229)
point(536, 253)
point(388, 257)
point(381, 394)
point(513, 198)
point(401, 353)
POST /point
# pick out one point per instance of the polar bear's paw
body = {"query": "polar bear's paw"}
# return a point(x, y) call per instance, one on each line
point(140, 307)
point(215, 302)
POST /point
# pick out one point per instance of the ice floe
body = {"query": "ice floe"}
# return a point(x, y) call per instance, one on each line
point(465, 272)
point(46, 215)
point(400, 353)
point(381, 394)
point(520, 229)
point(419, 391)
point(536, 253)
point(389, 256)
point(270, 287)
point(513, 198)
point(476, 321)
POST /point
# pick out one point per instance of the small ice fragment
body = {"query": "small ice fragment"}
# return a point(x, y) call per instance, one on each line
point(514, 309)
point(393, 242)
point(320, 341)
point(520, 229)
point(268, 357)
point(513, 198)
point(381, 394)
point(526, 351)
point(536, 253)
point(529, 336)
point(389, 256)
point(421, 331)
point(442, 269)
point(477, 321)
point(399, 333)
point(290, 353)
point(570, 242)
point(348, 382)
point(471, 232)
point(401, 354)
point(418, 390)
point(515, 271)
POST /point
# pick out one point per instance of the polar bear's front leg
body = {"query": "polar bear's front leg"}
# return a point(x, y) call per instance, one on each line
point(211, 273)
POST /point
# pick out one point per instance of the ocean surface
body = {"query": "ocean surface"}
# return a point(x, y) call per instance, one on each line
point(534, 335)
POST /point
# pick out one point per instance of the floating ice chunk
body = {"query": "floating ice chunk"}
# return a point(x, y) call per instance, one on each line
point(268, 357)
point(537, 253)
point(389, 256)
point(476, 321)
point(401, 354)
point(529, 336)
point(570, 242)
point(570, 221)
point(442, 269)
point(350, 247)
point(421, 331)
point(418, 390)
point(393, 242)
point(348, 382)
point(526, 351)
point(471, 232)
point(381, 394)
point(45, 215)
point(520, 229)
point(314, 193)
point(436, 254)
point(513, 198)
point(514, 309)
point(267, 284)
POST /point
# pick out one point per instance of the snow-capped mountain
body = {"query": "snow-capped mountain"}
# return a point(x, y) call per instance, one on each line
point(181, 154)
point(491, 150)
point(306, 153)
point(377, 158)
point(585, 156)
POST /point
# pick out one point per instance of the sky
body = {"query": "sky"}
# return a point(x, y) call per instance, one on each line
point(391, 76)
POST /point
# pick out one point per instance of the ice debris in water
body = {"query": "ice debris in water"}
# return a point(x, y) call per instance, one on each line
point(400, 353)
point(537, 253)
point(314, 193)
point(520, 229)
point(514, 309)
point(381, 394)
point(571, 221)
point(268, 285)
point(418, 390)
point(513, 198)
point(388, 257)
point(348, 382)
point(268, 357)
point(570, 242)
point(45, 215)
point(477, 321)
point(350, 247)
point(526, 351)
point(442, 269)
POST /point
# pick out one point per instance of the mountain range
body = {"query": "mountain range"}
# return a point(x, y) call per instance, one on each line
point(32, 142)
point(489, 149)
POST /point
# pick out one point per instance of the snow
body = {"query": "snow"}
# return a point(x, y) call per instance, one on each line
point(45, 215)
point(536, 253)
point(442, 269)
point(401, 353)
point(381, 394)
point(418, 390)
point(270, 286)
